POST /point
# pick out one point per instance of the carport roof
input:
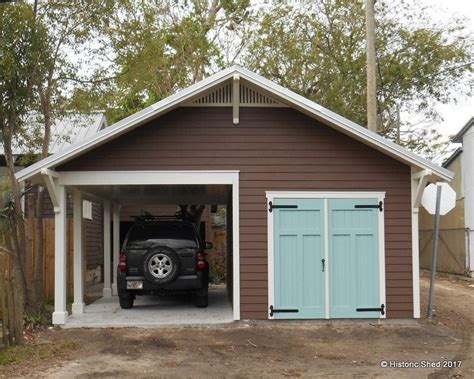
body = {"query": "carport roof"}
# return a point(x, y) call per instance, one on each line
point(288, 97)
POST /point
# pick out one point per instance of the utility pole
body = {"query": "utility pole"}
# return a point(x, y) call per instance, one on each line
point(371, 81)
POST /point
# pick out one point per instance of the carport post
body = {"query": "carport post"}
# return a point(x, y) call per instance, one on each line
point(116, 245)
point(60, 255)
point(78, 305)
point(107, 291)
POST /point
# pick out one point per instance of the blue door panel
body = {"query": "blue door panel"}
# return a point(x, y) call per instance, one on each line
point(353, 258)
point(299, 248)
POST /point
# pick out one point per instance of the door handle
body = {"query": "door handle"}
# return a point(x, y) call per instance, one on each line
point(323, 261)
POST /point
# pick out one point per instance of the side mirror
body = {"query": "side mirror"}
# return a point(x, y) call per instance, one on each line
point(208, 245)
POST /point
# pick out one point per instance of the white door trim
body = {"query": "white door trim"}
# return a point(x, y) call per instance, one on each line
point(271, 195)
point(168, 177)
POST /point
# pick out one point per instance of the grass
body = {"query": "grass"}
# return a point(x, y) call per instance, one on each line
point(35, 352)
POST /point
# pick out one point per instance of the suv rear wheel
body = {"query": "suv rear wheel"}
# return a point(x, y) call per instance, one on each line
point(201, 297)
point(126, 300)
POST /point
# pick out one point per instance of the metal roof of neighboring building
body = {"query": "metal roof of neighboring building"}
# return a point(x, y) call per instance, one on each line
point(464, 129)
point(66, 130)
point(452, 157)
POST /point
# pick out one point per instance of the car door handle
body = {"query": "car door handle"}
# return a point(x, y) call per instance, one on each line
point(323, 262)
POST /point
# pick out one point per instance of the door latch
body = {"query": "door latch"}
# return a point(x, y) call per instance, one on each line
point(323, 262)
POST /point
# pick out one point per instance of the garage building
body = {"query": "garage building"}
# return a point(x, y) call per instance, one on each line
point(323, 212)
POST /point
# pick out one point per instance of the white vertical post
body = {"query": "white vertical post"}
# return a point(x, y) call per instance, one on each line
point(107, 291)
point(60, 255)
point(236, 247)
point(415, 249)
point(116, 245)
point(78, 305)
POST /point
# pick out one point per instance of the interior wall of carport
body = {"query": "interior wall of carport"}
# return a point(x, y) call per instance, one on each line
point(275, 149)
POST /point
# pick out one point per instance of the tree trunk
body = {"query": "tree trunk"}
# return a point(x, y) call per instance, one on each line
point(39, 229)
point(192, 213)
point(18, 235)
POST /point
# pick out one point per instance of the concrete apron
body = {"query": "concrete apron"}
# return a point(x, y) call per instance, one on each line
point(151, 311)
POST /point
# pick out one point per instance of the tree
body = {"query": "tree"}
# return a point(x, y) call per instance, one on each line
point(71, 25)
point(157, 48)
point(318, 50)
point(23, 52)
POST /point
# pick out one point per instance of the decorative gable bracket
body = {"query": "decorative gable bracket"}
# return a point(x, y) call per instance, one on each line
point(235, 94)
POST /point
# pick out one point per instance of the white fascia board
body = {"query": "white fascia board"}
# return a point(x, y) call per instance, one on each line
point(91, 178)
point(307, 106)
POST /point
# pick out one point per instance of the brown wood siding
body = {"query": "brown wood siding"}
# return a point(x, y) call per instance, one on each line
point(274, 149)
point(94, 238)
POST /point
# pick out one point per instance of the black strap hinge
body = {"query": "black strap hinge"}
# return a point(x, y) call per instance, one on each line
point(273, 310)
point(271, 207)
point(369, 206)
point(381, 309)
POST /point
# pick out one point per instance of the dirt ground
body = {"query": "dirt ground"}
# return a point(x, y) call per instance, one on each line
point(263, 349)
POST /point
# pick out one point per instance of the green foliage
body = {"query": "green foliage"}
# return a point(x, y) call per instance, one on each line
point(158, 48)
point(318, 50)
point(23, 54)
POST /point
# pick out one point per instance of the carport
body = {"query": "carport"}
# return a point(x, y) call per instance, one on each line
point(117, 188)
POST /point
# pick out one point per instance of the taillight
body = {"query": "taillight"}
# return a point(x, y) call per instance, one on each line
point(201, 256)
point(123, 262)
point(201, 260)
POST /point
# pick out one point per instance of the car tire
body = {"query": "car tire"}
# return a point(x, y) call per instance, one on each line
point(161, 265)
point(202, 298)
point(126, 300)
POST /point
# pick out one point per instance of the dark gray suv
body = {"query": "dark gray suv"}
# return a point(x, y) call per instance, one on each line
point(162, 255)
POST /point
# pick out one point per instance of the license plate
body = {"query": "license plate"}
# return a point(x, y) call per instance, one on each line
point(134, 285)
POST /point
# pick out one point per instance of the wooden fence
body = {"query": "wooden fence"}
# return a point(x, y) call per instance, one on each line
point(48, 248)
point(11, 307)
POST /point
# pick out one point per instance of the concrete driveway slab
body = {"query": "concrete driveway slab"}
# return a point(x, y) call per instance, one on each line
point(151, 311)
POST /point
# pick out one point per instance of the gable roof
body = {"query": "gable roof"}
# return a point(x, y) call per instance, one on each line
point(66, 130)
point(464, 129)
point(288, 97)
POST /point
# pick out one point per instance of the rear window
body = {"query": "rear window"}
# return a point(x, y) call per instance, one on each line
point(174, 235)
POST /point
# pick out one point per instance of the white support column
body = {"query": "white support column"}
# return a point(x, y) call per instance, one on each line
point(78, 305)
point(107, 291)
point(60, 314)
point(116, 245)
point(416, 188)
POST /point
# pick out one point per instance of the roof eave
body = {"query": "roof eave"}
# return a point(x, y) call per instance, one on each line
point(298, 101)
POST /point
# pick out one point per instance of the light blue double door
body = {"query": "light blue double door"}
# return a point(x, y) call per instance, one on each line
point(326, 259)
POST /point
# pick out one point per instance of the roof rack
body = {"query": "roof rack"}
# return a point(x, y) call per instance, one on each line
point(145, 216)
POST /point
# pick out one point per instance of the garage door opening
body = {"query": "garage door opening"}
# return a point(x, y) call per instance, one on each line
point(216, 225)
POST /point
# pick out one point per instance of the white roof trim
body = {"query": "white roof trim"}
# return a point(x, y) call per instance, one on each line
point(309, 107)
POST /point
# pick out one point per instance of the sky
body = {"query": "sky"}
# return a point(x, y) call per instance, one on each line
point(455, 115)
